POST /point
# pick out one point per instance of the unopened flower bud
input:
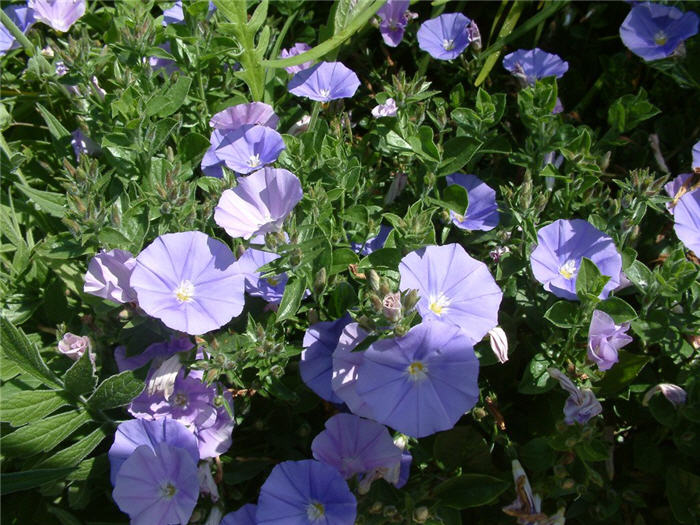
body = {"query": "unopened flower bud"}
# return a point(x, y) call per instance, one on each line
point(568, 484)
point(320, 281)
point(391, 306)
point(74, 346)
point(499, 343)
point(390, 510)
point(376, 302)
point(421, 514)
point(373, 278)
point(384, 289)
point(410, 300)
point(47, 52)
point(375, 508)
point(675, 394)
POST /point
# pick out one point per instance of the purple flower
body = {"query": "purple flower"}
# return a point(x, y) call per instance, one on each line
point(605, 338)
point(308, 491)
point(74, 346)
point(388, 109)
point(527, 506)
point(373, 243)
point(499, 344)
point(316, 365)
point(581, 405)
point(696, 156)
point(687, 220)
point(420, 383)
point(654, 31)
point(82, 144)
point(259, 204)
point(211, 164)
point(243, 516)
point(453, 287)
point(345, 367)
point(474, 35)
point(253, 113)
point(354, 445)
point(157, 351)
point(561, 247)
point(530, 65)
point(444, 37)
point(59, 14)
point(482, 211)
point(214, 438)
point(393, 21)
point(157, 485)
point(188, 281)
point(675, 394)
point(108, 276)
point(23, 18)
point(167, 65)
point(134, 433)
point(174, 14)
point(324, 81)
point(270, 289)
point(296, 49)
point(249, 148)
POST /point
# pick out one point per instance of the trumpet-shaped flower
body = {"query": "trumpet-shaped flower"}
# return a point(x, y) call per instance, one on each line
point(109, 274)
point(270, 289)
point(482, 211)
point(446, 36)
point(297, 49)
point(696, 156)
point(345, 367)
point(324, 82)
point(687, 220)
point(251, 114)
point(394, 17)
point(581, 405)
point(530, 65)
point(59, 14)
point(249, 148)
point(605, 338)
point(677, 188)
point(243, 516)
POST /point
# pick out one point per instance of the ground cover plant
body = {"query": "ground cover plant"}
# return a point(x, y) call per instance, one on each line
point(349, 262)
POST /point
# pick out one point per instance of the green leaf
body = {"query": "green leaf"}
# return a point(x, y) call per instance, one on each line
point(342, 299)
point(537, 455)
point(19, 349)
point(169, 102)
point(619, 310)
point(623, 372)
point(382, 259)
point(116, 391)
point(18, 481)
point(43, 435)
point(80, 378)
point(456, 199)
point(293, 292)
point(423, 144)
point(56, 129)
point(536, 380)
point(563, 314)
point(628, 111)
point(470, 490)
point(463, 447)
point(52, 203)
point(506, 29)
point(257, 19)
point(592, 450)
point(683, 493)
point(589, 281)
point(28, 406)
point(192, 146)
point(457, 152)
point(640, 275)
point(71, 456)
point(342, 257)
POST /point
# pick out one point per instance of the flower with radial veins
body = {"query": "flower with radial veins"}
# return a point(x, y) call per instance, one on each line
point(23, 18)
point(453, 287)
point(345, 366)
point(189, 281)
point(253, 113)
point(249, 148)
point(271, 289)
point(445, 37)
point(423, 382)
point(158, 352)
point(677, 188)
point(259, 204)
point(109, 274)
point(605, 338)
point(530, 65)
point(581, 405)
point(560, 248)
point(373, 243)
point(316, 365)
point(305, 492)
point(211, 164)
point(654, 31)
point(59, 14)
point(482, 211)
point(324, 82)
point(394, 18)
point(243, 516)
point(297, 49)
point(687, 220)
point(157, 485)
point(355, 446)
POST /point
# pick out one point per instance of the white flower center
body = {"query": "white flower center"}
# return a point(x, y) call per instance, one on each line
point(568, 269)
point(185, 292)
point(448, 45)
point(254, 161)
point(325, 93)
point(439, 304)
point(315, 511)
point(168, 490)
point(660, 38)
point(417, 371)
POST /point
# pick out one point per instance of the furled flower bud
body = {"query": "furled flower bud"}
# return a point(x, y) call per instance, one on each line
point(74, 346)
point(207, 485)
point(374, 282)
point(108, 276)
point(320, 281)
point(675, 394)
point(499, 343)
point(391, 306)
point(581, 404)
point(421, 514)
point(410, 300)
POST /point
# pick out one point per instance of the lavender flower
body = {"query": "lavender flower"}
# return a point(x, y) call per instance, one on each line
point(214, 437)
point(316, 362)
point(581, 405)
point(211, 164)
point(82, 144)
point(388, 109)
point(188, 281)
point(59, 14)
point(253, 113)
point(453, 287)
point(676, 189)
point(420, 383)
point(561, 247)
point(675, 394)
point(696, 156)
point(134, 433)
point(243, 516)
point(166, 64)
point(249, 148)
point(355, 446)
point(157, 352)
point(373, 243)
point(605, 338)
point(394, 18)
point(530, 65)
point(324, 82)
point(482, 211)
point(23, 18)
point(527, 506)
point(174, 14)
point(271, 289)
point(687, 220)
point(296, 49)
point(655, 31)
point(207, 485)
point(345, 370)
point(444, 37)
point(108, 276)
point(157, 485)
point(305, 492)
point(74, 346)
point(474, 36)
point(499, 344)
point(259, 204)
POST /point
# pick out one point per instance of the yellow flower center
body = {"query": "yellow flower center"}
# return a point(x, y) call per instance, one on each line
point(448, 45)
point(439, 304)
point(660, 38)
point(254, 161)
point(568, 269)
point(168, 491)
point(417, 371)
point(325, 93)
point(315, 511)
point(185, 292)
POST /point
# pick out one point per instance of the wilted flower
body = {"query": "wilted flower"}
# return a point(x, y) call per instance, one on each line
point(249, 148)
point(316, 362)
point(394, 18)
point(259, 204)
point(444, 37)
point(253, 113)
point(498, 252)
point(482, 211)
point(530, 65)
point(527, 506)
point(108, 276)
point(189, 281)
point(499, 343)
point(605, 338)
point(59, 14)
point(324, 82)
point(306, 491)
point(581, 405)
point(156, 352)
point(388, 109)
point(82, 144)
point(675, 394)
point(296, 49)
point(345, 367)
point(373, 243)
point(453, 287)
point(474, 36)
point(687, 220)
point(391, 306)
point(654, 31)
point(23, 17)
point(270, 289)
point(243, 516)
point(420, 383)
point(74, 346)
point(561, 247)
